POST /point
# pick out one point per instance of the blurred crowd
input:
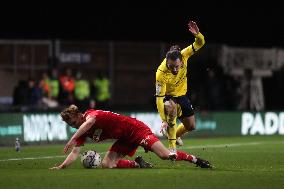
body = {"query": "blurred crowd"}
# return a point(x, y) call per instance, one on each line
point(212, 89)
point(57, 89)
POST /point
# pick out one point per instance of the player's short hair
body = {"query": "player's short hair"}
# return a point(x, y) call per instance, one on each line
point(69, 112)
point(173, 55)
point(175, 48)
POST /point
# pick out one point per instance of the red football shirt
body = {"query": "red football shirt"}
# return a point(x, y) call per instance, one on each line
point(111, 125)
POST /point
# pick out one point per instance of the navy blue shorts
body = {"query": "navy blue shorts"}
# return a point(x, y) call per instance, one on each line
point(184, 102)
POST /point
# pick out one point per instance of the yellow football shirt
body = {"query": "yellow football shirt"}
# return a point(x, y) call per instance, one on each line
point(175, 85)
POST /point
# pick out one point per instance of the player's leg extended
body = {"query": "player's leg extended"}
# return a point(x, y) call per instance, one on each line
point(160, 150)
point(179, 141)
point(186, 117)
point(113, 158)
point(171, 115)
point(187, 125)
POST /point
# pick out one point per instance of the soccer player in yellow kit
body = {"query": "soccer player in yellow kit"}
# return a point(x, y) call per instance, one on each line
point(171, 89)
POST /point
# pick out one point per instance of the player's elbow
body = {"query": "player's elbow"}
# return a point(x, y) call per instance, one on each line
point(203, 41)
point(200, 41)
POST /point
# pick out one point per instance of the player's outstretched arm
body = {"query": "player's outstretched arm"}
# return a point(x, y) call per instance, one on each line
point(199, 38)
point(198, 43)
point(69, 159)
point(82, 129)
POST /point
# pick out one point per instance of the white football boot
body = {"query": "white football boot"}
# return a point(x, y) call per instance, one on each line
point(173, 154)
point(179, 141)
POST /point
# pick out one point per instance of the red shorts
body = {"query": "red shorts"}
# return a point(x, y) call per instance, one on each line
point(125, 147)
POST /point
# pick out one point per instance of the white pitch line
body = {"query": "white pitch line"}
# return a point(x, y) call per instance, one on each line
point(223, 145)
point(188, 147)
point(32, 158)
point(232, 145)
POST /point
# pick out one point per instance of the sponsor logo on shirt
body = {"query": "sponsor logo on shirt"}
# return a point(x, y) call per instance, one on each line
point(144, 142)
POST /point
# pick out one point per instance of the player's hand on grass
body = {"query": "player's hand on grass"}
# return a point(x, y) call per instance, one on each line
point(56, 167)
point(193, 28)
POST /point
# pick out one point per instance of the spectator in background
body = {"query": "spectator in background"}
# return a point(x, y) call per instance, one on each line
point(35, 93)
point(20, 93)
point(102, 91)
point(82, 91)
point(54, 84)
point(67, 86)
point(45, 85)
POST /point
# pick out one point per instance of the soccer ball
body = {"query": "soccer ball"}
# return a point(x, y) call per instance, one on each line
point(91, 159)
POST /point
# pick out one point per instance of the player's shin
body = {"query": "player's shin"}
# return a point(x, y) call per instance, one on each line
point(172, 137)
point(181, 130)
point(182, 156)
point(123, 163)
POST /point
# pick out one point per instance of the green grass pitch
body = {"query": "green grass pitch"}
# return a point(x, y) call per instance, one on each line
point(240, 162)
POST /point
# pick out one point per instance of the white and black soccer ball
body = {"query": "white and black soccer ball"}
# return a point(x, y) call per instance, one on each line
point(91, 159)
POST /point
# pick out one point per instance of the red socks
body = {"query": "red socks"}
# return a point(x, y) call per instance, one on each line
point(184, 156)
point(181, 156)
point(123, 163)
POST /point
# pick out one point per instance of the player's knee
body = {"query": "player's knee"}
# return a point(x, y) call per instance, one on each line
point(191, 127)
point(109, 165)
point(170, 108)
point(164, 156)
point(104, 164)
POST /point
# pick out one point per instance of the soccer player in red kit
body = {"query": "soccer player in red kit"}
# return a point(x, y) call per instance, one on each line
point(129, 132)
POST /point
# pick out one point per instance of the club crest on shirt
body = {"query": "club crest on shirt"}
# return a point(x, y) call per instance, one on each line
point(97, 134)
